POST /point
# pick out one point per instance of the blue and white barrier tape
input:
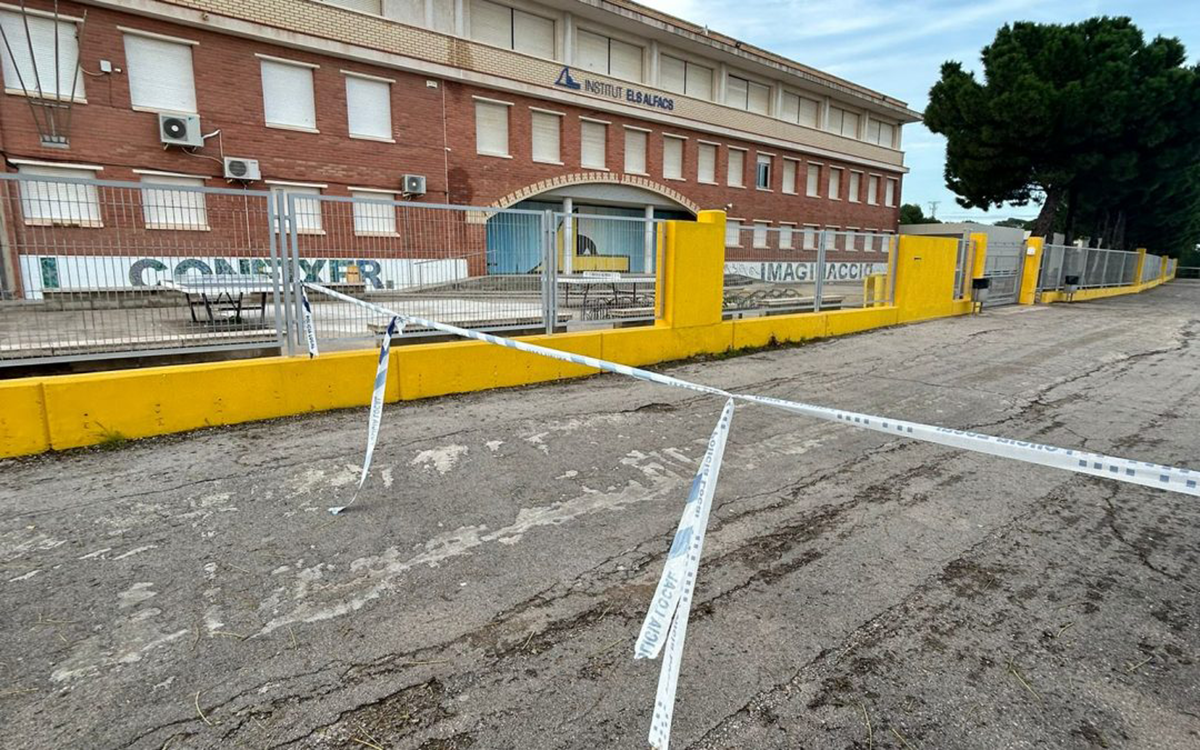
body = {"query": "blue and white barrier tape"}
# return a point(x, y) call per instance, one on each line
point(310, 330)
point(373, 421)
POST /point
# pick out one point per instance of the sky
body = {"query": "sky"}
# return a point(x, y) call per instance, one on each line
point(897, 47)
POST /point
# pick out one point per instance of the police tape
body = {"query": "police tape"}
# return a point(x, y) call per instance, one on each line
point(376, 409)
point(672, 603)
point(310, 330)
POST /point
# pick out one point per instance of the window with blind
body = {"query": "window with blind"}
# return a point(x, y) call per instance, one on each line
point(307, 215)
point(635, 151)
point(288, 95)
point(683, 77)
point(873, 190)
point(502, 26)
point(835, 184)
point(52, 203)
point(706, 163)
point(760, 234)
point(166, 208)
point(747, 95)
point(854, 193)
point(491, 128)
point(762, 172)
point(608, 56)
point(881, 133)
point(789, 176)
point(366, 6)
point(733, 233)
point(160, 74)
point(592, 145)
point(56, 78)
point(736, 175)
point(374, 213)
point(800, 109)
point(786, 237)
point(889, 194)
point(813, 189)
point(810, 236)
point(842, 122)
point(672, 158)
point(546, 129)
point(369, 108)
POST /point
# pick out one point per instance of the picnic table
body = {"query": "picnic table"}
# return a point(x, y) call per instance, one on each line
point(614, 281)
point(223, 296)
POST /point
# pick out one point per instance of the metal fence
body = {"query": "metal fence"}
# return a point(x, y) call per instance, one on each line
point(774, 270)
point(98, 269)
point(1093, 268)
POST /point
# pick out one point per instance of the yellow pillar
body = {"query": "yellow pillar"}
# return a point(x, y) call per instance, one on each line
point(1034, 247)
point(1141, 264)
point(691, 277)
point(980, 241)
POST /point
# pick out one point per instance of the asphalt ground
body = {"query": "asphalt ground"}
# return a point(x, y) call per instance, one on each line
point(856, 590)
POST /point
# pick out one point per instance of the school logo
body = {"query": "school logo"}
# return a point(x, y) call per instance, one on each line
point(565, 80)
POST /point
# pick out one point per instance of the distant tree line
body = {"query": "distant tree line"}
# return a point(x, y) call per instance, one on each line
point(1089, 120)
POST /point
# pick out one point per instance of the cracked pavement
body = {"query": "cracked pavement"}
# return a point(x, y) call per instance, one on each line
point(856, 590)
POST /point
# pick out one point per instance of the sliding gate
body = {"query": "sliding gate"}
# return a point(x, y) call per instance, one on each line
point(1003, 265)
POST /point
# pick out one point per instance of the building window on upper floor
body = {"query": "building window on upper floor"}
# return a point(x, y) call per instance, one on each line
point(736, 168)
point(374, 212)
point(502, 26)
point(546, 130)
point(369, 106)
point(813, 188)
point(672, 158)
point(762, 172)
point(881, 133)
point(873, 189)
point(306, 204)
point(760, 234)
point(748, 95)
point(789, 176)
point(50, 202)
point(288, 94)
point(53, 79)
point(608, 56)
point(491, 127)
point(165, 206)
point(593, 142)
point(854, 191)
point(889, 193)
point(374, 7)
point(787, 240)
point(683, 77)
point(835, 184)
point(733, 232)
point(800, 109)
point(635, 150)
point(706, 163)
point(843, 122)
point(160, 73)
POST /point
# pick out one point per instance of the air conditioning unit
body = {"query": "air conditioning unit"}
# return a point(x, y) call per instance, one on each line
point(241, 169)
point(180, 130)
point(414, 184)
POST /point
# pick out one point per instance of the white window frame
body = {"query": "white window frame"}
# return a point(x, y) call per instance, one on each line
point(265, 61)
point(801, 98)
point(156, 183)
point(687, 69)
point(493, 105)
point(715, 150)
point(13, 82)
point(388, 82)
point(608, 71)
point(133, 75)
point(729, 173)
point(513, 15)
point(536, 113)
point(764, 159)
point(812, 180)
point(681, 144)
point(745, 105)
point(635, 134)
point(854, 186)
point(76, 196)
point(840, 121)
point(733, 232)
point(363, 216)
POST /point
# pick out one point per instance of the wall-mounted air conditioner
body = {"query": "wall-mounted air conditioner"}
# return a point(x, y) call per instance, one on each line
point(241, 169)
point(414, 184)
point(180, 130)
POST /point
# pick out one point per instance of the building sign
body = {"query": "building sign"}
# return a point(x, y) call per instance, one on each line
point(615, 92)
point(786, 271)
point(77, 273)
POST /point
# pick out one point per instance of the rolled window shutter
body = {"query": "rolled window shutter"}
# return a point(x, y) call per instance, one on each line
point(635, 151)
point(546, 129)
point(371, 216)
point(160, 74)
point(164, 208)
point(814, 180)
point(706, 163)
point(699, 81)
point(808, 112)
point(533, 35)
point(592, 148)
point(735, 92)
point(625, 60)
point(673, 158)
point(789, 176)
point(791, 107)
point(369, 107)
point(672, 74)
point(758, 98)
point(42, 35)
point(288, 95)
point(491, 23)
point(591, 51)
point(491, 128)
point(737, 168)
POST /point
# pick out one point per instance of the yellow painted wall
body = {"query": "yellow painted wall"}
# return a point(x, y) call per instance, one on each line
point(1030, 270)
point(70, 411)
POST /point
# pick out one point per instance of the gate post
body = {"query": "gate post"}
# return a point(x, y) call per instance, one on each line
point(980, 241)
point(549, 271)
point(1034, 247)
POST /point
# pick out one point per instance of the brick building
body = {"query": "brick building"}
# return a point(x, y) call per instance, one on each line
point(579, 105)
